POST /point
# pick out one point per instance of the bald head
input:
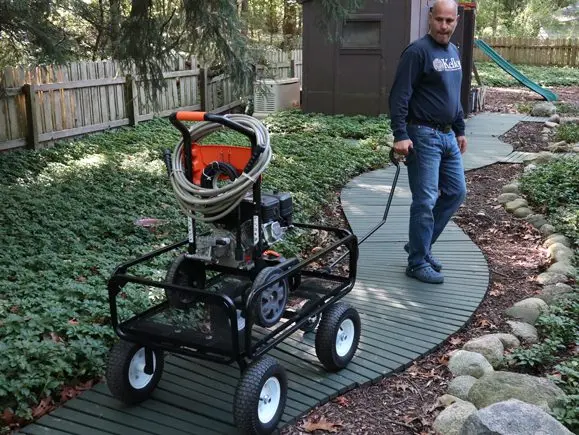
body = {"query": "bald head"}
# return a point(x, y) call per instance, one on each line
point(444, 4)
point(443, 19)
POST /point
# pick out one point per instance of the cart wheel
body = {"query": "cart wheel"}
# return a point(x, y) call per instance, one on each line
point(126, 376)
point(311, 323)
point(260, 397)
point(338, 336)
point(188, 274)
point(270, 304)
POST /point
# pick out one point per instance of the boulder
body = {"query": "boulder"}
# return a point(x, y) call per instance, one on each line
point(563, 268)
point(550, 124)
point(547, 278)
point(564, 148)
point(511, 206)
point(498, 386)
point(511, 188)
point(528, 310)
point(509, 340)
point(463, 362)
point(570, 120)
point(527, 333)
point(557, 238)
point(512, 417)
point(537, 220)
point(460, 386)
point(553, 292)
point(530, 168)
point(547, 229)
point(507, 197)
point(560, 252)
point(543, 109)
point(555, 118)
point(544, 157)
point(489, 346)
point(451, 419)
point(522, 212)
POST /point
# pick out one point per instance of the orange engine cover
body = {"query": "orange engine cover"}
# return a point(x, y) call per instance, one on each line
point(204, 155)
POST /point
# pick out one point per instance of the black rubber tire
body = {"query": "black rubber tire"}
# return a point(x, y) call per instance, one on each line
point(311, 323)
point(265, 275)
point(247, 396)
point(182, 272)
point(118, 373)
point(328, 330)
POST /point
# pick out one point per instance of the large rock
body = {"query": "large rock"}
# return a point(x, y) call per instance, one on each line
point(553, 292)
point(547, 278)
point(550, 124)
point(560, 148)
point(563, 268)
point(498, 386)
point(451, 419)
point(557, 238)
point(570, 120)
point(489, 346)
point(511, 188)
point(560, 252)
point(463, 362)
point(537, 220)
point(511, 206)
point(460, 386)
point(547, 229)
point(543, 109)
point(507, 197)
point(512, 417)
point(527, 333)
point(509, 340)
point(522, 212)
point(555, 118)
point(527, 310)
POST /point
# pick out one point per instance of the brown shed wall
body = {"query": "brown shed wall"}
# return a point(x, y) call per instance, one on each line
point(354, 76)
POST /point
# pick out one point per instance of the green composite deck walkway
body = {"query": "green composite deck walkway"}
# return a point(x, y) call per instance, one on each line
point(402, 319)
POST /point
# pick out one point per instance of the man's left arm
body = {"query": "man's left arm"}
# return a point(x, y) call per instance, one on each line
point(458, 127)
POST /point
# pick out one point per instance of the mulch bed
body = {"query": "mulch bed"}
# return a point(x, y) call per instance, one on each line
point(527, 136)
point(509, 100)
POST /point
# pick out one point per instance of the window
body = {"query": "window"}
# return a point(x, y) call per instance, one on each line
point(361, 34)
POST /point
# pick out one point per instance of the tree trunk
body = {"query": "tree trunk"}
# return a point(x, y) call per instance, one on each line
point(115, 11)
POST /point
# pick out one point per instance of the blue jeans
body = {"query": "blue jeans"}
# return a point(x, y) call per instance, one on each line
point(434, 166)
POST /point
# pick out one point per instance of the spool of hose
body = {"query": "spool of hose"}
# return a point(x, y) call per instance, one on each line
point(209, 202)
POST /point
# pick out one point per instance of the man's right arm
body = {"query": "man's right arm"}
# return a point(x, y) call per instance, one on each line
point(407, 75)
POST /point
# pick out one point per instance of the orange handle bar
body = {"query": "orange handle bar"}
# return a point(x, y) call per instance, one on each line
point(190, 116)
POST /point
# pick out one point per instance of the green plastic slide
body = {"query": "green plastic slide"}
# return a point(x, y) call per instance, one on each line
point(506, 66)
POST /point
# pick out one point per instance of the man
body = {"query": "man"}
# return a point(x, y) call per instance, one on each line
point(428, 126)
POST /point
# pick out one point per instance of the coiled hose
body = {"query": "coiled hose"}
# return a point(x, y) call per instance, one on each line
point(212, 204)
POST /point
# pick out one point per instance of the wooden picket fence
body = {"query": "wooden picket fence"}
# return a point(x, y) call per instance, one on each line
point(43, 104)
point(534, 51)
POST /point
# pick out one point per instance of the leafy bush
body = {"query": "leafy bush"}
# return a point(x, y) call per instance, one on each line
point(536, 357)
point(567, 377)
point(493, 75)
point(553, 188)
point(68, 218)
point(568, 132)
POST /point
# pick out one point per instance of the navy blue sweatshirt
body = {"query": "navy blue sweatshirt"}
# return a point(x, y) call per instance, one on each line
point(427, 87)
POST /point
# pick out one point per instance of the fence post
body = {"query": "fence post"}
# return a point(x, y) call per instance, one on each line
point(131, 100)
point(203, 89)
point(31, 118)
point(292, 68)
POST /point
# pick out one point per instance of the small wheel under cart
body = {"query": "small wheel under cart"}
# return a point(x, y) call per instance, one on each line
point(338, 336)
point(260, 397)
point(128, 377)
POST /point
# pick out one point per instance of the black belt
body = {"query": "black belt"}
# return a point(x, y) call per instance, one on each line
point(444, 128)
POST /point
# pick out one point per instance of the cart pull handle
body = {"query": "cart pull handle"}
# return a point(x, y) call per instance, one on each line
point(190, 116)
point(211, 117)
